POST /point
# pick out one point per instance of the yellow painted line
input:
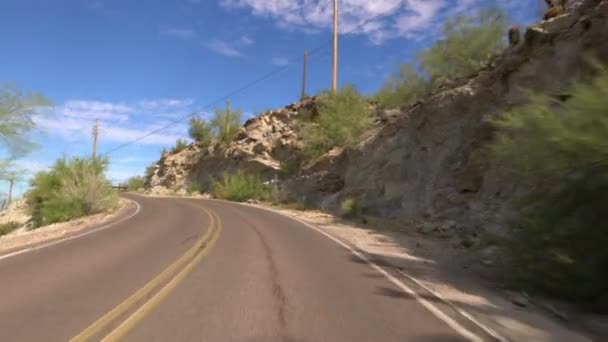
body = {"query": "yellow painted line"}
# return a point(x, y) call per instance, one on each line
point(131, 322)
point(111, 315)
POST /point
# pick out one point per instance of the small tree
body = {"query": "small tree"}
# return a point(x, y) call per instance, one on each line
point(200, 131)
point(468, 44)
point(226, 124)
point(16, 111)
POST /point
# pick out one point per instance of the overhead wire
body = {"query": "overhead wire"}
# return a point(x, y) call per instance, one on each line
point(246, 86)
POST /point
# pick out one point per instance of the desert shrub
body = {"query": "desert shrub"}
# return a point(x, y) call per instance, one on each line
point(8, 227)
point(349, 207)
point(179, 146)
point(469, 43)
point(406, 87)
point(240, 187)
point(200, 131)
point(342, 118)
point(195, 188)
point(560, 151)
point(226, 124)
point(135, 183)
point(70, 189)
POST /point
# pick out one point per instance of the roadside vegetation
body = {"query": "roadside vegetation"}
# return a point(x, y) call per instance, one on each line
point(8, 227)
point(342, 118)
point(240, 186)
point(136, 183)
point(70, 189)
point(200, 131)
point(559, 150)
point(469, 43)
point(180, 145)
point(226, 124)
point(195, 188)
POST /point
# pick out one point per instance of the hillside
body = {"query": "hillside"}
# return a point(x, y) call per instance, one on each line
point(424, 162)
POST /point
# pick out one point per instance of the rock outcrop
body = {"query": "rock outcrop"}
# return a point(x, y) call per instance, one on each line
point(425, 162)
point(264, 145)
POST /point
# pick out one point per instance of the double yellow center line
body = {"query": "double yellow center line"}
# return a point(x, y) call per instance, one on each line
point(171, 276)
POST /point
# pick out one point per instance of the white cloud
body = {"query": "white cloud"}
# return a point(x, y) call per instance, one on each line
point(280, 61)
point(379, 20)
point(119, 122)
point(230, 48)
point(223, 48)
point(180, 33)
point(245, 40)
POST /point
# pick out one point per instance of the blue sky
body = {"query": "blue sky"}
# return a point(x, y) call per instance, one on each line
point(136, 65)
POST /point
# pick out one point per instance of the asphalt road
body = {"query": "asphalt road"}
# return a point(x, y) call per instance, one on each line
point(197, 270)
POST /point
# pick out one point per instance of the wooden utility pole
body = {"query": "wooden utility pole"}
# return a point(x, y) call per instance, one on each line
point(304, 75)
point(334, 82)
point(95, 136)
point(227, 118)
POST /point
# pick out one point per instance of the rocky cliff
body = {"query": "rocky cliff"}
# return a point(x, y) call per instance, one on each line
point(425, 162)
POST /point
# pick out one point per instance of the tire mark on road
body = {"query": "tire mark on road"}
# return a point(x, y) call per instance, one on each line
point(277, 290)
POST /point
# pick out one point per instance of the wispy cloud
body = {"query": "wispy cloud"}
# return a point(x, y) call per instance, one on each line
point(280, 61)
point(230, 48)
point(180, 33)
point(223, 48)
point(379, 20)
point(120, 122)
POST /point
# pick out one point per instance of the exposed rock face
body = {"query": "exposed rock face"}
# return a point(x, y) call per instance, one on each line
point(428, 161)
point(16, 212)
point(262, 146)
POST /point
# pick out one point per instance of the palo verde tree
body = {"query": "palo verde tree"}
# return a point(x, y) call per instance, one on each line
point(468, 44)
point(200, 130)
point(16, 121)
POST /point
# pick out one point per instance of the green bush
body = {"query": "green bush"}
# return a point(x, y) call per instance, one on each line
point(180, 145)
point(195, 188)
point(469, 43)
point(560, 151)
point(342, 118)
point(8, 227)
point(349, 207)
point(70, 189)
point(240, 187)
point(226, 124)
point(200, 131)
point(407, 87)
point(135, 183)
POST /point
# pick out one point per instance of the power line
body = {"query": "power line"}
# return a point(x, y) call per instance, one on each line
point(226, 97)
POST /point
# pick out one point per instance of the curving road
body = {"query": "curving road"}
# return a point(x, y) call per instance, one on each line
point(200, 270)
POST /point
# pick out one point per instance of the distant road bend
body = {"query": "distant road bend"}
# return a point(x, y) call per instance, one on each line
point(202, 270)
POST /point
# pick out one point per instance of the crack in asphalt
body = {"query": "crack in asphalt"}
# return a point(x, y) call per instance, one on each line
point(277, 291)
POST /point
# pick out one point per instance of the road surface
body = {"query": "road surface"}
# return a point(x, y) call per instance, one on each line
point(201, 270)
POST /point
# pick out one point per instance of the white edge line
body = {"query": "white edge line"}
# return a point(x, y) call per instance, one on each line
point(6, 256)
point(426, 304)
point(485, 328)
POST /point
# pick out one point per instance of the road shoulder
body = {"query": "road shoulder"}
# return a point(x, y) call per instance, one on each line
point(431, 269)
